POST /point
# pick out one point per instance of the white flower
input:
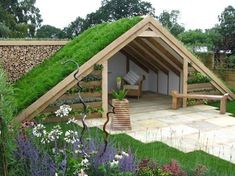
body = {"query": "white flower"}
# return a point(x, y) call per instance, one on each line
point(63, 111)
point(55, 133)
point(118, 157)
point(45, 139)
point(125, 154)
point(85, 162)
point(114, 163)
point(71, 136)
point(72, 120)
point(39, 130)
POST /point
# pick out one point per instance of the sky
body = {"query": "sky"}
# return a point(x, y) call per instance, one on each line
point(194, 14)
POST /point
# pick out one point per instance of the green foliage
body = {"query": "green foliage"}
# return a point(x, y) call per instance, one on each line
point(110, 10)
point(227, 28)
point(98, 67)
point(48, 31)
point(6, 119)
point(231, 61)
point(196, 38)
point(19, 18)
point(119, 94)
point(197, 77)
point(46, 75)
point(170, 21)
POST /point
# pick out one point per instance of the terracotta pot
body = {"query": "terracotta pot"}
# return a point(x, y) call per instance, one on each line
point(121, 118)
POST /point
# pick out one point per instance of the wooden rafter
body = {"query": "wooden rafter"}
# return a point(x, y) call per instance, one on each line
point(162, 58)
point(148, 52)
point(165, 52)
point(139, 58)
point(148, 59)
point(140, 64)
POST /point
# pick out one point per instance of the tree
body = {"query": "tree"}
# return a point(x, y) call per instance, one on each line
point(48, 31)
point(227, 28)
point(170, 21)
point(74, 27)
point(19, 18)
point(110, 10)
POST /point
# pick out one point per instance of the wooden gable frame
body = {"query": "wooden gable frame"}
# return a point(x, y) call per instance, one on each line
point(101, 58)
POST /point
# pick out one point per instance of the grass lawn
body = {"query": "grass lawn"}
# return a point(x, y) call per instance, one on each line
point(163, 153)
point(230, 106)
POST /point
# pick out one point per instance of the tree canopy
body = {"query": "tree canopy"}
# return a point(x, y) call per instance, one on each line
point(110, 10)
point(48, 31)
point(170, 21)
point(19, 18)
point(227, 28)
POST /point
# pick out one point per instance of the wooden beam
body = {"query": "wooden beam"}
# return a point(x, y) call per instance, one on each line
point(33, 43)
point(149, 51)
point(105, 88)
point(223, 99)
point(150, 59)
point(148, 34)
point(127, 64)
point(185, 81)
point(139, 64)
point(152, 63)
point(166, 52)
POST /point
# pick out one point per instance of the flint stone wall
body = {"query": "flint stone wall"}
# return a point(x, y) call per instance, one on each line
point(19, 57)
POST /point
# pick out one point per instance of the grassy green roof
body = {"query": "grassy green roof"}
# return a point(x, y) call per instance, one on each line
point(46, 75)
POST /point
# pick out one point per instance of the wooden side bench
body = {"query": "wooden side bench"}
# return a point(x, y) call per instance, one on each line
point(223, 99)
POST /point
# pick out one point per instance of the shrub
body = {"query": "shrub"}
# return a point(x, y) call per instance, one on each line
point(230, 61)
point(197, 77)
point(7, 107)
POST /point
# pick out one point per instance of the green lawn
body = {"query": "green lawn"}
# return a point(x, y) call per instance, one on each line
point(230, 106)
point(163, 153)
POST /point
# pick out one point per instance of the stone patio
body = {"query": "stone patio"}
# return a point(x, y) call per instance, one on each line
point(198, 127)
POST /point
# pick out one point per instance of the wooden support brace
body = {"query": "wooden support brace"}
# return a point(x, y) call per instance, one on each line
point(174, 100)
point(105, 88)
point(223, 103)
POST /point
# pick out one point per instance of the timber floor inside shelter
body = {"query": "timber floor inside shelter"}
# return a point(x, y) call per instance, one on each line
point(149, 102)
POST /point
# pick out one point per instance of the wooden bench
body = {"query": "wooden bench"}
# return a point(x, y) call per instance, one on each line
point(223, 99)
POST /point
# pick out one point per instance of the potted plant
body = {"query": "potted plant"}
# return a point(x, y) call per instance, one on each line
point(121, 118)
point(119, 82)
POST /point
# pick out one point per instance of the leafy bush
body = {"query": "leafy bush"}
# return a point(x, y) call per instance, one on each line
point(197, 77)
point(46, 75)
point(230, 61)
point(7, 107)
point(119, 94)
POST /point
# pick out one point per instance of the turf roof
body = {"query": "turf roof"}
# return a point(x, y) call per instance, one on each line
point(46, 75)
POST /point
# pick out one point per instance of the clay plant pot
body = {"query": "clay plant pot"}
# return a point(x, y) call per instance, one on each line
point(121, 118)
